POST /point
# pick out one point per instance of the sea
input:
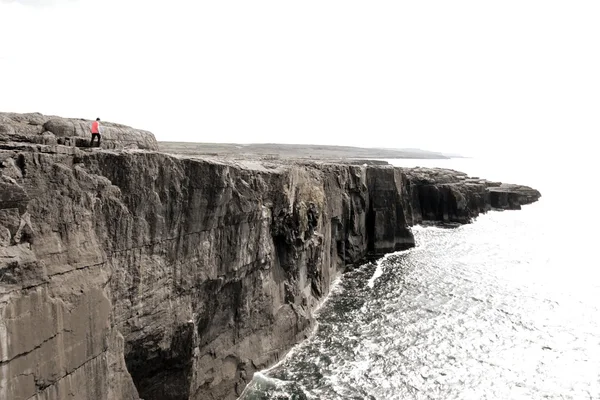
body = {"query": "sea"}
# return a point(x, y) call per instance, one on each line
point(507, 307)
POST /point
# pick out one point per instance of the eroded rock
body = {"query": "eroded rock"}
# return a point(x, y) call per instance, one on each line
point(51, 130)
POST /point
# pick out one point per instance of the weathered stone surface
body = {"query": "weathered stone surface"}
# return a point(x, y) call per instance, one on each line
point(49, 130)
point(137, 274)
point(450, 196)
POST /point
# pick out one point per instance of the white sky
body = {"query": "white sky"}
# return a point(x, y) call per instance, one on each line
point(471, 77)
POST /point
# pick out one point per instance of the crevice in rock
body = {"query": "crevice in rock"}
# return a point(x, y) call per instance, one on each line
point(42, 386)
point(77, 269)
point(25, 353)
point(370, 225)
point(20, 162)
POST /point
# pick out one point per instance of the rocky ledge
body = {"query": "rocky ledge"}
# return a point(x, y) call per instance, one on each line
point(51, 130)
point(128, 274)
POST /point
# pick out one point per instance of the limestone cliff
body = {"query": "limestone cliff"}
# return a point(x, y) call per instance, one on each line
point(135, 274)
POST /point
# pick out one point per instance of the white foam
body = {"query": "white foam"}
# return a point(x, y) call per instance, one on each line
point(261, 380)
point(379, 268)
point(378, 271)
point(260, 376)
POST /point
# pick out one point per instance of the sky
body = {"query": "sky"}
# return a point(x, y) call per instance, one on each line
point(468, 77)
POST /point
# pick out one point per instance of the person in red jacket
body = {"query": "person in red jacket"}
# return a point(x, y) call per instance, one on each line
point(95, 132)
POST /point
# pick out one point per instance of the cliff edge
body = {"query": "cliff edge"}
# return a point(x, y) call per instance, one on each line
point(128, 274)
point(51, 130)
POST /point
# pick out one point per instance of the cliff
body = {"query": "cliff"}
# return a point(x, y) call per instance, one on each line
point(129, 274)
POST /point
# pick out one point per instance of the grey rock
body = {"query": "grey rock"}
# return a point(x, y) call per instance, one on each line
point(36, 128)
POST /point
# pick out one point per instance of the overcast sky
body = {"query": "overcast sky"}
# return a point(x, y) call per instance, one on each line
point(471, 77)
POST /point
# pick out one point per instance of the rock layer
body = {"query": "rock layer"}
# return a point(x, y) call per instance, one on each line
point(135, 274)
point(51, 130)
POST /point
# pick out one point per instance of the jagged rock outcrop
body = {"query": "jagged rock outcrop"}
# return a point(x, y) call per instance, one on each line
point(128, 274)
point(51, 130)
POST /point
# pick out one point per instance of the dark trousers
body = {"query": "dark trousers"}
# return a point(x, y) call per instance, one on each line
point(92, 141)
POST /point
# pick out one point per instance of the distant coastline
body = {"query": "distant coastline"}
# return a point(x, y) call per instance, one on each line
point(276, 151)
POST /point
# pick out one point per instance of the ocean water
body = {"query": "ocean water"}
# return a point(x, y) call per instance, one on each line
point(505, 308)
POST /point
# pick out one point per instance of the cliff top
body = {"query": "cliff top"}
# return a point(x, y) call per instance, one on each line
point(277, 151)
point(49, 129)
point(52, 134)
point(52, 130)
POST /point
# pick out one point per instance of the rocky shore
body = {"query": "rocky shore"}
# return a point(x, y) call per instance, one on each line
point(128, 273)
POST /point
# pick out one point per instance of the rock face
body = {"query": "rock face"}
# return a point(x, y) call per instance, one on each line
point(135, 274)
point(49, 130)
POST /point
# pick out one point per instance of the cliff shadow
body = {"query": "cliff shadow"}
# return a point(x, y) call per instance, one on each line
point(162, 374)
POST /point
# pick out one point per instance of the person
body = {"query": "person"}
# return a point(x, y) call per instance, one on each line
point(95, 132)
